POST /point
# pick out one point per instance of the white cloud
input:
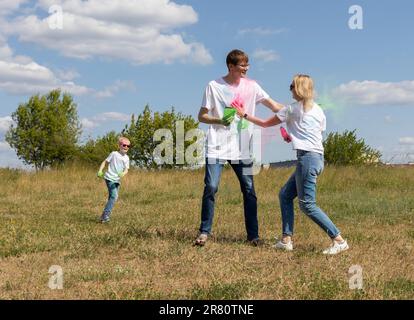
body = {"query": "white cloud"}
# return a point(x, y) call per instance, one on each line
point(29, 78)
point(266, 55)
point(162, 14)
point(112, 116)
point(4, 146)
point(406, 141)
point(402, 153)
point(375, 93)
point(88, 124)
point(67, 75)
point(96, 121)
point(110, 91)
point(139, 31)
point(8, 6)
point(5, 123)
point(8, 157)
point(21, 75)
point(260, 31)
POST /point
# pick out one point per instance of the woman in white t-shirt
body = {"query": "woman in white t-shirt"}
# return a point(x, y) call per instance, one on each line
point(305, 122)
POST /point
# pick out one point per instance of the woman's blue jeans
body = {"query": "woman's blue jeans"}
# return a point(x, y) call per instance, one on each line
point(242, 169)
point(113, 189)
point(302, 184)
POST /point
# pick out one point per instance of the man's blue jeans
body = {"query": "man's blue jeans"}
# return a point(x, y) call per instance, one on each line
point(302, 184)
point(113, 189)
point(242, 169)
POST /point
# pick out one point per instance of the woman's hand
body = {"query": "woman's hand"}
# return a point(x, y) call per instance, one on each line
point(239, 108)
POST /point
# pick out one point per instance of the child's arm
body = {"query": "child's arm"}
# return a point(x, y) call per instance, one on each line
point(103, 164)
point(123, 173)
point(100, 171)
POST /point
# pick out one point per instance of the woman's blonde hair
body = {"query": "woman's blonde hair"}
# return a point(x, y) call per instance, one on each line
point(304, 89)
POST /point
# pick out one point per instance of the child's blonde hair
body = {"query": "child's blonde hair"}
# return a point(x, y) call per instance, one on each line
point(304, 89)
point(122, 140)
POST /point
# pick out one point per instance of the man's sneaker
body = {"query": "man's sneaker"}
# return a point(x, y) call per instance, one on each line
point(336, 248)
point(256, 242)
point(201, 240)
point(283, 246)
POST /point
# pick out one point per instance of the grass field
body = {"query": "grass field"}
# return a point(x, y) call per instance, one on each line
point(145, 252)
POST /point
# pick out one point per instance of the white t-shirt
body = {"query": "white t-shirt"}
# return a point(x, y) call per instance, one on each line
point(231, 142)
point(305, 128)
point(117, 164)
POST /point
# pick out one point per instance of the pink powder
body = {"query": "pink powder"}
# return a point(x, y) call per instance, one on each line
point(285, 135)
point(237, 102)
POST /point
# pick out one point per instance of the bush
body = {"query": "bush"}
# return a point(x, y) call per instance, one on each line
point(46, 130)
point(346, 149)
point(141, 133)
point(93, 152)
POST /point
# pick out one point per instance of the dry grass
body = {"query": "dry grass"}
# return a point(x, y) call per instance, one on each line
point(146, 251)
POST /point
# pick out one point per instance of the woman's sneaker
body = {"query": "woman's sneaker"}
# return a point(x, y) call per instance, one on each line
point(283, 246)
point(336, 248)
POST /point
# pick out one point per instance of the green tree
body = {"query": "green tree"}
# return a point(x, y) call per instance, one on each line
point(46, 130)
point(346, 149)
point(95, 151)
point(141, 134)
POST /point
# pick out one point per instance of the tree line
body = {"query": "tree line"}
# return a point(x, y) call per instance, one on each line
point(46, 133)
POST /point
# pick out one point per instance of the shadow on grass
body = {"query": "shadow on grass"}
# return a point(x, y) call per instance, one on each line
point(181, 235)
point(221, 291)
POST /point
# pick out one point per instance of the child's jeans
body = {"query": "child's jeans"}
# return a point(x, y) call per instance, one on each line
point(113, 189)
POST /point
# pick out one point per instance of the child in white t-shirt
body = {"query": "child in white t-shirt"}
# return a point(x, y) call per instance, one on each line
point(118, 165)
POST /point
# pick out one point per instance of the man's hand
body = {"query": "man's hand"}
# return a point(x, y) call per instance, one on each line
point(228, 116)
point(121, 174)
point(100, 174)
point(226, 122)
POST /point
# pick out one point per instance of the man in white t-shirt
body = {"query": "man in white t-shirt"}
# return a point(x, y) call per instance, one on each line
point(229, 139)
point(118, 166)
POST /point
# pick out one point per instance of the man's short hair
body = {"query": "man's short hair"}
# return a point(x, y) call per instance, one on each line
point(236, 56)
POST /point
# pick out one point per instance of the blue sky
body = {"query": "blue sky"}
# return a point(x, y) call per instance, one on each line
point(117, 56)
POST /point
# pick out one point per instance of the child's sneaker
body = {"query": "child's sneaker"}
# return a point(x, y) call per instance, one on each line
point(336, 248)
point(104, 219)
point(283, 246)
